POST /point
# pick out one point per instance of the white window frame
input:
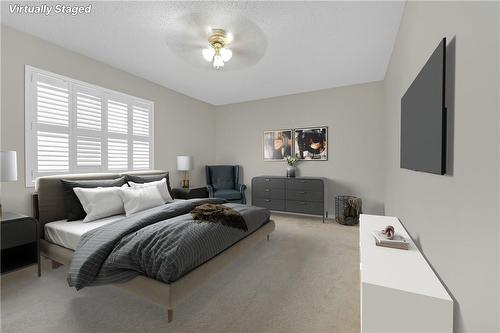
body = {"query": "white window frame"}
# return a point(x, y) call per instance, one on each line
point(31, 126)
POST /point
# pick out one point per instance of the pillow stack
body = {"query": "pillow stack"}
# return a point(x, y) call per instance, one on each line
point(139, 197)
point(73, 205)
point(100, 202)
point(91, 200)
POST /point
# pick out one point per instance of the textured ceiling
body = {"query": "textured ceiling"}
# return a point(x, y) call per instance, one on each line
point(306, 46)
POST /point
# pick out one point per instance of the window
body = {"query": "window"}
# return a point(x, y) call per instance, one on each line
point(76, 127)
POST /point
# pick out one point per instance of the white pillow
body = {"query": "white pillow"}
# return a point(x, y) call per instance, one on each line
point(136, 199)
point(100, 202)
point(160, 184)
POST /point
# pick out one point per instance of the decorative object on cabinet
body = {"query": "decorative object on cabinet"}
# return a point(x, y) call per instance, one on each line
point(185, 163)
point(8, 168)
point(394, 241)
point(291, 161)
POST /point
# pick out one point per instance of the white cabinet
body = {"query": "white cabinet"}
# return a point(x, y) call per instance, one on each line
point(399, 290)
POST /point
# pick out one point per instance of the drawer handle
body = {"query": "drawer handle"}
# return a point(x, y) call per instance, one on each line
point(302, 192)
point(267, 179)
point(303, 181)
point(267, 200)
point(303, 203)
point(267, 190)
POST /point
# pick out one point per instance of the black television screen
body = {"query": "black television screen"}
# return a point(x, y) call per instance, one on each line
point(423, 117)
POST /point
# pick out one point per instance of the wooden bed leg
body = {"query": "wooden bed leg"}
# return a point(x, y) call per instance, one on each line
point(55, 264)
point(170, 315)
point(267, 237)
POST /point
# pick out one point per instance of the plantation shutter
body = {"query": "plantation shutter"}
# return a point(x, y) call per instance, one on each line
point(88, 151)
point(141, 128)
point(117, 117)
point(141, 121)
point(89, 129)
point(88, 110)
point(75, 127)
point(117, 154)
point(51, 125)
point(118, 130)
point(141, 155)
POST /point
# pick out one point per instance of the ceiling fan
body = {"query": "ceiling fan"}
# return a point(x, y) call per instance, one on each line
point(218, 51)
point(197, 40)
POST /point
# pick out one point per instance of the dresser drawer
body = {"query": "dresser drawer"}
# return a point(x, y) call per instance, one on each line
point(300, 195)
point(272, 204)
point(268, 192)
point(304, 207)
point(268, 182)
point(305, 184)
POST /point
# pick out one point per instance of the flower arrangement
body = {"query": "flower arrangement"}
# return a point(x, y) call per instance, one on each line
point(291, 160)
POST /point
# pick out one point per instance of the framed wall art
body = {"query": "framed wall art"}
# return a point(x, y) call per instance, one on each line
point(311, 143)
point(277, 144)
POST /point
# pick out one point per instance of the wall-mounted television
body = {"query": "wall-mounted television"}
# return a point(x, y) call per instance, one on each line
point(423, 117)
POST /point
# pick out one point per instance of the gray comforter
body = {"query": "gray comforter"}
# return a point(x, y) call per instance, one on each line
point(163, 243)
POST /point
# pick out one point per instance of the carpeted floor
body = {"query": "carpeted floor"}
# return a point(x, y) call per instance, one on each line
point(305, 279)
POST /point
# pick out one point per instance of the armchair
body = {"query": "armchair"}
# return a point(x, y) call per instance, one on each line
point(223, 182)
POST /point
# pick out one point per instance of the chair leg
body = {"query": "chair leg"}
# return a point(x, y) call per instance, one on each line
point(170, 315)
point(267, 238)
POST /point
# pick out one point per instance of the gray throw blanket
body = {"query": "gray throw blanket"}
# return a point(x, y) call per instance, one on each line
point(163, 243)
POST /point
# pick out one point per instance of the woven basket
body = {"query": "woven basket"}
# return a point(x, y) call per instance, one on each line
point(345, 212)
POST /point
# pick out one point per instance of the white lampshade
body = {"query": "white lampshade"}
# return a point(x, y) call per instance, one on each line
point(184, 163)
point(8, 166)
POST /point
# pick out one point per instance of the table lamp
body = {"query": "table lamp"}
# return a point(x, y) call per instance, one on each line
point(8, 168)
point(185, 163)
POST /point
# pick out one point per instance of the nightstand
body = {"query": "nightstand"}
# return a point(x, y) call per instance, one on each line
point(20, 242)
point(190, 193)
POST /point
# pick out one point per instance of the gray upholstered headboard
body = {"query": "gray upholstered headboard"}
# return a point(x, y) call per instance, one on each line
point(49, 203)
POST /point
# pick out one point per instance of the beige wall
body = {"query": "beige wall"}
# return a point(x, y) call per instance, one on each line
point(454, 217)
point(354, 116)
point(183, 125)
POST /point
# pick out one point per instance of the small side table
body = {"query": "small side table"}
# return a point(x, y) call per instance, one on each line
point(20, 237)
point(190, 193)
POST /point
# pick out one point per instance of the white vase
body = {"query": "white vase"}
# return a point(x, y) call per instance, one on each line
point(290, 171)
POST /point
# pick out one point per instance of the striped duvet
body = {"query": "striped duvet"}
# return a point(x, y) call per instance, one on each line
point(163, 243)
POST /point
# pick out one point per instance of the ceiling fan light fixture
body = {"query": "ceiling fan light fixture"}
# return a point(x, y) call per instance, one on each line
point(218, 53)
point(226, 54)
point(208, 54)
point(218, 62)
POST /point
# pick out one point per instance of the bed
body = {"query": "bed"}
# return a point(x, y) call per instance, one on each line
point(60, 239)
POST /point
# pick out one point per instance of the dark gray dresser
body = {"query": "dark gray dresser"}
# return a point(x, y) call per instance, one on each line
point(305, 195)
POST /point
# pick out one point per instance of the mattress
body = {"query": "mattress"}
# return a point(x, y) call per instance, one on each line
point(67, 234)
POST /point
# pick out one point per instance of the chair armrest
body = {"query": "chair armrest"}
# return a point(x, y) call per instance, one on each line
point(210, 190)
point(241, 188)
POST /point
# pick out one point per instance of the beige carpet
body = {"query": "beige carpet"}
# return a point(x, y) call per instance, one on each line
point(305, 279)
